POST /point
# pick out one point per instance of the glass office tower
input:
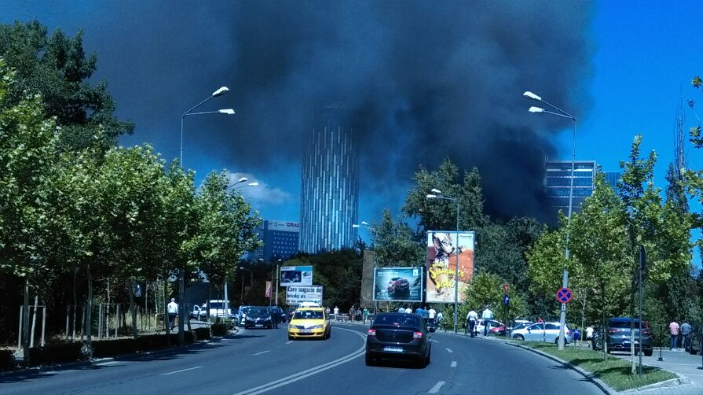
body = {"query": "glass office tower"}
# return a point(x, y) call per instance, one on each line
point(329, 196)
point(557, 180)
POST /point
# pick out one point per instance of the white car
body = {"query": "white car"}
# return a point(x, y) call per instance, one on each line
point(482, 324)
point(542, 332)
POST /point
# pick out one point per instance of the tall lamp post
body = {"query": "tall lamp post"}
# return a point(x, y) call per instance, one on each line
point(437, 194)
point(234, 186)
point(181, 287)
point(565, 276)
point(373, 231)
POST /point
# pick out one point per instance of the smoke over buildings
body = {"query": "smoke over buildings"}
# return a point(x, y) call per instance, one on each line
point(424, 80)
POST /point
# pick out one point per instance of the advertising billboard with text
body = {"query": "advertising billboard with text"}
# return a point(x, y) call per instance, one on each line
point(446, 249)
point(398, 284)
point(296, 295)
point(296, 275)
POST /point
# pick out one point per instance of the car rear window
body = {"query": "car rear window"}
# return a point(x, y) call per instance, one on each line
point(398, 320)
point(626, 324)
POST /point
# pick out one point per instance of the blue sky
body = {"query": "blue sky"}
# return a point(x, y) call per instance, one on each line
point(642, 56)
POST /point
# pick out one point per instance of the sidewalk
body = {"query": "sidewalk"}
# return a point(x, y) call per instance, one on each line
point(688, 367)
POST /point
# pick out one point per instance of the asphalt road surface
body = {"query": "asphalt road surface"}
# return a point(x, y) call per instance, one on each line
point(265, 362)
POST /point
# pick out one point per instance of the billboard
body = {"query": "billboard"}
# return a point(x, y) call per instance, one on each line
point(399, 284)
point(299, 294)
point(296, 275)
point(443, 249)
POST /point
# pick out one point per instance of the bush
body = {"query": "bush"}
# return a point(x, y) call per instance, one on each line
point(7, 360)
point(109, 348)
point(202, 333)
point(219, 329)
point(55, 353)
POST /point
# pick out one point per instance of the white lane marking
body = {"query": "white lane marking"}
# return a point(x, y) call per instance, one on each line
point(453, 364)
point(434, 341)
point(309, 372)
point(449, 350)
point(182, 370)
point(436, 388)
point(107, 363)
point(289, 342)
point(263, 352)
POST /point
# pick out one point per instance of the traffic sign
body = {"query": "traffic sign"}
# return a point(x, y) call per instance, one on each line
point(564, 295)
point(506, 299)
point(506, 288)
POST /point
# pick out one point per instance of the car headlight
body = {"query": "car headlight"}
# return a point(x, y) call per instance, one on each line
point(317, 327)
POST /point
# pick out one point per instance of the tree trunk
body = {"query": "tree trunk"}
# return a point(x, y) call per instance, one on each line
point(25, 322)
point(34, 321)
point(133, 307)
point(75, 306)
point(88, 314)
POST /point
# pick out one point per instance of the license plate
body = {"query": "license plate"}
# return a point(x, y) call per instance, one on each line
point(259, 325)
point(306, 331)
point(393, 349)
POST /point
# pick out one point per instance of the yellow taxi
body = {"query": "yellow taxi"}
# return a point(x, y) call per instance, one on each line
point(309, 322)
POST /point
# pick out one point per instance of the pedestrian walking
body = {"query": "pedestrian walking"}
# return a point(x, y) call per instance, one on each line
point(408, 310)
point(172, 310)
point(401, 309)
point(487, 316)
point(366, 314)
point(674, 331)
point(336, 313)
point(685, 335)
point(471, 319)
point(440, 318)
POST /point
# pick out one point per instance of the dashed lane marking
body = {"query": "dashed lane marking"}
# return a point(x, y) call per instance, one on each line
point(436, 388)
point(449, 350)
point(263, 352)
point(453, 364)
point(180, 371)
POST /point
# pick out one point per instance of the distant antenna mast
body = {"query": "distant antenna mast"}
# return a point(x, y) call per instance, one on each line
point(679, 153)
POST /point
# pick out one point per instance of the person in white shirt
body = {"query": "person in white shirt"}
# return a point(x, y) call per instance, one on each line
point(431, 313)
point(401, 309)
point(336, 313)
point(471, 320)
point(487, 316)
point(408, 310)
point(172, 310)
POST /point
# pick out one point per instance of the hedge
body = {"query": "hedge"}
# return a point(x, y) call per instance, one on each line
point(7, 360)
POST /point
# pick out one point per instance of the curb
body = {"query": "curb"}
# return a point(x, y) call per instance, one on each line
point(588, 375)
point(94, 361)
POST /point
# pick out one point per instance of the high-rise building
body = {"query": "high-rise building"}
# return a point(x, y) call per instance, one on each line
point(329, 196)
point(557, 182)
point(281, 239)
point(612, 178)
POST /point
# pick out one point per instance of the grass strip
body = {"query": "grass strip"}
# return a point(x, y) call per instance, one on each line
point(614, 371)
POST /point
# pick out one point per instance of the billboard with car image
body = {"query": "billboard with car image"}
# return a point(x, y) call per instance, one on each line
point(398, 284)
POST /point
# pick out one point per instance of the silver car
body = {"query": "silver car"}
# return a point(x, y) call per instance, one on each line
point(542, 332)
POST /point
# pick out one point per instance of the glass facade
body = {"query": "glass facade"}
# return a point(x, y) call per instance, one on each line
point(557, 181)
point(612, 178)
point(281, 239)
point(329, 200)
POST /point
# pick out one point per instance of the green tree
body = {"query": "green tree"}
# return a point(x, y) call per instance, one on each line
point(57, 68)
point(439, 214)
point(395, 244)
point(27, 147)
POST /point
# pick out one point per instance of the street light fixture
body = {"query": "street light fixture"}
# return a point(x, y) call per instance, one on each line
point(181, 288)
point(437, 194)
point(565, 276)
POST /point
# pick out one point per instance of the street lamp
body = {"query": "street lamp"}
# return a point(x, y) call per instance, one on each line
point(565, 277)
point(181, 288)
point(437, 194)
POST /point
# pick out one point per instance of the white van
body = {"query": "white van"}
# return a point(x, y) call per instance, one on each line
point(216, 308)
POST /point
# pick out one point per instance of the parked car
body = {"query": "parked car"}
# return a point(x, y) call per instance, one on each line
point(617, 336)
point(398, 336)
point(216, 309)
point(199, 312)
point(309, 322)
point(259, 317)
point(491, 324)
point(542, 332)
point(398, 285)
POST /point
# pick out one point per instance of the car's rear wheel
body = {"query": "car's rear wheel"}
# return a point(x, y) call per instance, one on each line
point(519, 337)
point(370, 360)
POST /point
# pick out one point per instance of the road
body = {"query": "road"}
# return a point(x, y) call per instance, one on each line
point(266, 362)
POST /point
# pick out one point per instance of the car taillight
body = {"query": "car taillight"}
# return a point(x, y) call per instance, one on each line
point(417, 335)
point(372, 332)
